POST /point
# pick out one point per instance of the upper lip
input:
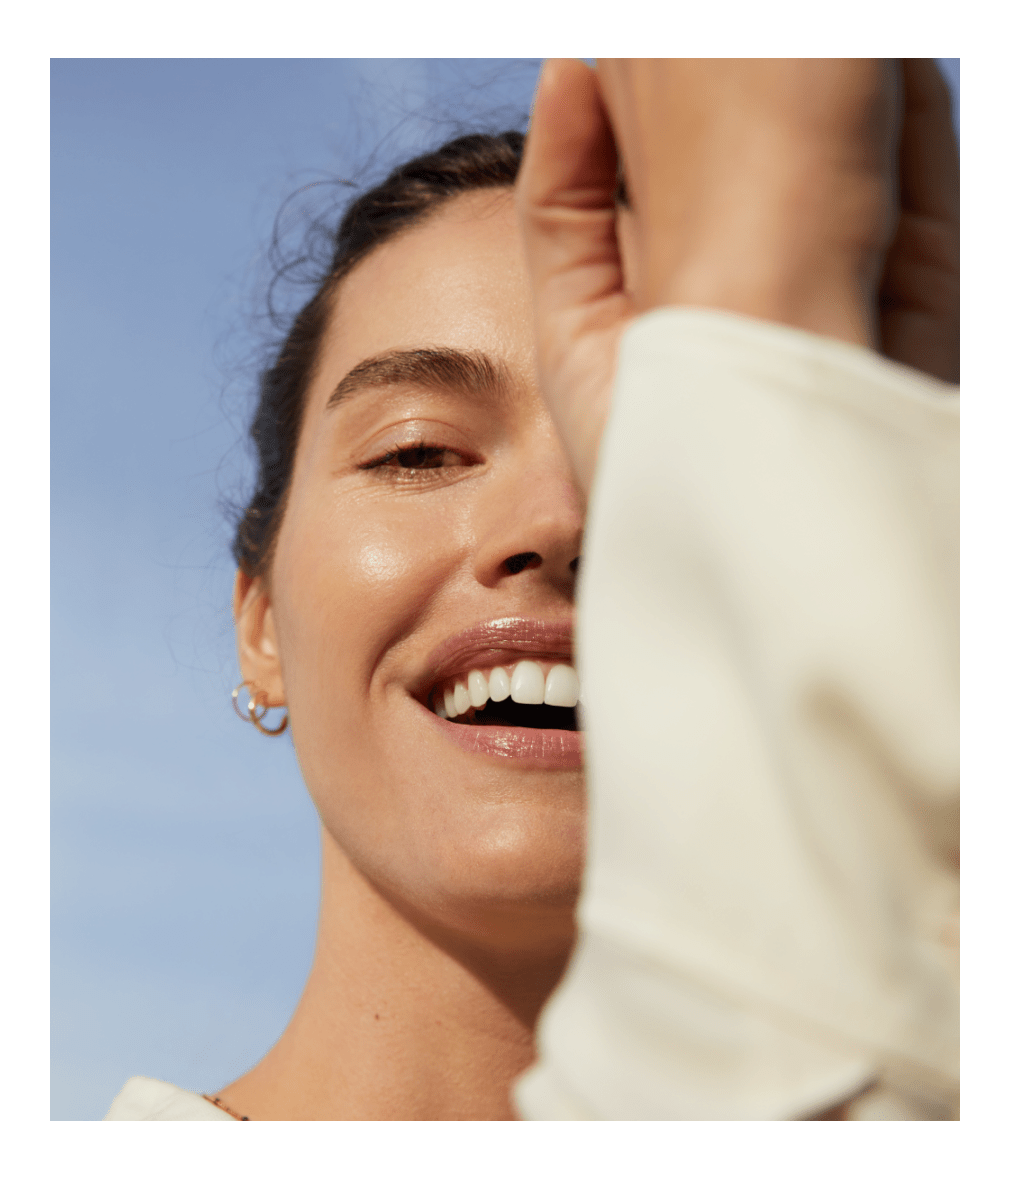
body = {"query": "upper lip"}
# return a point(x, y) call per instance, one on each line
point(493, 642)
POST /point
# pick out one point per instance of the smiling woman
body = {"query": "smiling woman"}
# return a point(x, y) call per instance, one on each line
point(405, 591)
point(426, 464)
point(738, 347)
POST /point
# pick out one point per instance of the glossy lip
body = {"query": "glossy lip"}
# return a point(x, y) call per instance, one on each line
point(499, 641)
point(542, 749)
point(496, 642)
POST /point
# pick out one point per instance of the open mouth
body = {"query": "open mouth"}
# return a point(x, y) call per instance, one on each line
point(506, 689)
point(507, 712)
point(531, 694)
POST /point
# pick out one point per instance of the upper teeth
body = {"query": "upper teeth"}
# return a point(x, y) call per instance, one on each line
point(526, 686)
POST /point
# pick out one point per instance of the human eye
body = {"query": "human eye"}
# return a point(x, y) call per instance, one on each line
point(412, 458)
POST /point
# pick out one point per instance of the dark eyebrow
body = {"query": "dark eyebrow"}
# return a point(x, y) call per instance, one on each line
point(452, 369)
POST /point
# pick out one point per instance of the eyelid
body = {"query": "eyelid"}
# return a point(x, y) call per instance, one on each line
point(415, 430)
point(402, 448)
point(382, 461)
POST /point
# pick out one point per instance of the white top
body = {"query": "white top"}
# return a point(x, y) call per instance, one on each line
point(148, 1100)
point(768, 646)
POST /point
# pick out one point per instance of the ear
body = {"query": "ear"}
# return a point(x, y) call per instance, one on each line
point(256, 636)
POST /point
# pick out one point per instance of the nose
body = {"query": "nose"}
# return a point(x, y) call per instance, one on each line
point(531, 524)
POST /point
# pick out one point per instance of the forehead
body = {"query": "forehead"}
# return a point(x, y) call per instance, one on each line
point(457, 280)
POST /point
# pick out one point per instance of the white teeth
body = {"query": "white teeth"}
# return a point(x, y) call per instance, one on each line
point(562, 687)
point(477, 687)
point(526, 686)
point(499, 685)
point(528, 683)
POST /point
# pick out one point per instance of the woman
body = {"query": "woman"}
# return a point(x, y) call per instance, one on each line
point(428, 441)
point(416, 527)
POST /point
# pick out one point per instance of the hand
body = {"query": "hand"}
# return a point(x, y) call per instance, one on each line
point(565, 197)
point(762, 187)
point(920, 293)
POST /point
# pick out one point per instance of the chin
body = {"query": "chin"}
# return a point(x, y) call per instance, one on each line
point(485, 866)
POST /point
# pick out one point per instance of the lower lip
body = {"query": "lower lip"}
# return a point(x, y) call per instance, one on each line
point(544, 749)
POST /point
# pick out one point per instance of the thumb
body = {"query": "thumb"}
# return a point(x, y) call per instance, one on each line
point(565, 196)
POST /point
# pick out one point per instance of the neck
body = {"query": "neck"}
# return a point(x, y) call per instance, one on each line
point(396, 1023)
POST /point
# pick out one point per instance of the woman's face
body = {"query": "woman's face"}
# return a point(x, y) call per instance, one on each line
point(432, 530)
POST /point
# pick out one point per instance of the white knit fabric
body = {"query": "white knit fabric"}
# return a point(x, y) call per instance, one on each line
point(768, 643)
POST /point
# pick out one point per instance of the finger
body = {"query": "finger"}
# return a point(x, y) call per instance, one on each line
point(920, 286)
point(928, 152)
point(570, 159)
point(566, 188)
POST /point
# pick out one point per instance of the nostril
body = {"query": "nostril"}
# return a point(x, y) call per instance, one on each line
point(520, 561)
point(573, 565)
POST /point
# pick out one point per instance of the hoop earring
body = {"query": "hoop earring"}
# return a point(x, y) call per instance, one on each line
point(257, 708)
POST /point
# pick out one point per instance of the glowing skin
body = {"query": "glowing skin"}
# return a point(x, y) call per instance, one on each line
point(374, 568)
point(449, 873)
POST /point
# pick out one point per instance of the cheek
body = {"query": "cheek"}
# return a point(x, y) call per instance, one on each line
point(347, 587)
point(381, 564)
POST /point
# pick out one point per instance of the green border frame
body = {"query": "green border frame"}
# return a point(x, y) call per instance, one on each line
point(299, 28)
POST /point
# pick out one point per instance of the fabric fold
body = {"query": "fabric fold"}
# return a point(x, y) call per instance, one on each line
point(768, 646)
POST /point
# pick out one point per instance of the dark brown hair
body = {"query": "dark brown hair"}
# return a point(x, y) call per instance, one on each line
point(404, 199)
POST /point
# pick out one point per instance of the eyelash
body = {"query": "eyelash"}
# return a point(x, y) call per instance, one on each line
point(405, 471)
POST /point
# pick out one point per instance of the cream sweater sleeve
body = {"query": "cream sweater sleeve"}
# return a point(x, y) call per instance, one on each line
point(768, 641)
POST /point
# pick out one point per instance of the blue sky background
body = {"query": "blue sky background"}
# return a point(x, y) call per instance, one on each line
point(184, 849)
